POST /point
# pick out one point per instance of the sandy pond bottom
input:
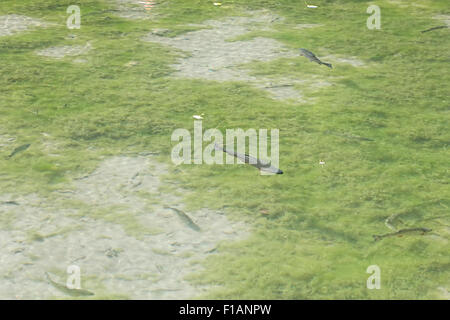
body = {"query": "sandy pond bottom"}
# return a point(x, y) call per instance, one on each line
point(13, 23)
point(114, 225)
point(212, 53)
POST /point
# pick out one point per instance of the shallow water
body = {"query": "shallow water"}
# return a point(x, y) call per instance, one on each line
point(356, 163)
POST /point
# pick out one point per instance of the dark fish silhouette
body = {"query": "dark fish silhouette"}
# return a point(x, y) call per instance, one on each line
point(66, 290)
point(14, 203)
point(260, 164)
point(19, 149)
point(401, 232)
point(312, 57)
point(186, 219)
point(434, 28)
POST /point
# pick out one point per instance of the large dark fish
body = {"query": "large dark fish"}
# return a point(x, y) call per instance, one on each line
point(257, 163)
point(312, 57)
point(186, 219)
point(19, 149)
point(65, 289)
point(401, 232)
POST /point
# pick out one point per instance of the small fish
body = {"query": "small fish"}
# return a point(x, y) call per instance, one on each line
point(14, 203)
point(19, 149)
point(188, 221)
point(65, 289)
point(257, 163)
point(401, 232)
point(434, 28)
point(312, 57)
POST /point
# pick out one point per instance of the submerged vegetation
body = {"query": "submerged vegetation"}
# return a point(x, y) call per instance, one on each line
point(381, 129)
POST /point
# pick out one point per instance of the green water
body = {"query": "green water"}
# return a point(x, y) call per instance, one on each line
point(381, 129)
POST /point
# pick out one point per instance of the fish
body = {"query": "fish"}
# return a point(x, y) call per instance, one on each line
point(434, 28)
point(19, 149)
point(73, 292)
point(312, 57)
point(400, 233)
point(186, 219)
point(257, 163)
point(14, 203)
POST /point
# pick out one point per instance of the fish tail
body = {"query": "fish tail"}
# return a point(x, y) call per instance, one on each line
point(327, 64)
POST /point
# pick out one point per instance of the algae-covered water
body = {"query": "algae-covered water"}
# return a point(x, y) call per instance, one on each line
point(92, 205)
